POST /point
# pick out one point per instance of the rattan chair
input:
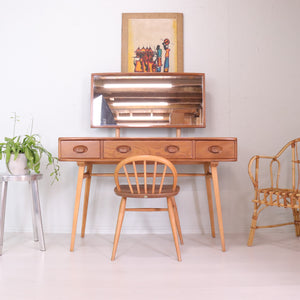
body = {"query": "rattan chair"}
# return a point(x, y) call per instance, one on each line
point(147, 176)
point(281, 188)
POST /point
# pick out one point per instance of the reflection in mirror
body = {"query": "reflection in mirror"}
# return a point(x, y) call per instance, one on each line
point(102, 114)
point(148, 100)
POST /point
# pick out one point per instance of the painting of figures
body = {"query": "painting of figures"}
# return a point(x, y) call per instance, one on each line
point(152, 43)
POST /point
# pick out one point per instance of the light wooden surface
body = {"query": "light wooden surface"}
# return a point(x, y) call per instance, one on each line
point(81, 168)
point(218, 202)
point(209, 198)
point(179, 150)
point(202, 151)
point(86, 198)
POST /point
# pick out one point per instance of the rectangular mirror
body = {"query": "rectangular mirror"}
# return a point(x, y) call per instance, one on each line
point(148, 100)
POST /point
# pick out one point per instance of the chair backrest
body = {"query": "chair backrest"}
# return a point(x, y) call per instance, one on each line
point(284, 164)
point(145, 174)
point(293, 158)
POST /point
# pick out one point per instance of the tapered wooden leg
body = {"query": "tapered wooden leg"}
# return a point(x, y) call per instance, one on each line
point(209, 199)
point(86, 198)
point(253, 227)
point(77, 203)
point(218, 201)
point(173, 226)
point(118, 227)
point(177, 220)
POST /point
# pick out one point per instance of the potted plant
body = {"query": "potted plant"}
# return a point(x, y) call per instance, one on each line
point(27, 150)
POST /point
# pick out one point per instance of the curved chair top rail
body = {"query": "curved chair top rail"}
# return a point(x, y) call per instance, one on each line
point(275, 160)
point(292, 143)
point(139, 177)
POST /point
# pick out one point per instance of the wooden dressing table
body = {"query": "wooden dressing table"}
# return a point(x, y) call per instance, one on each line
point(175, 100)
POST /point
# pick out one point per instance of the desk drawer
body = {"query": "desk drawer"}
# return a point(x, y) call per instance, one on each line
point(79, 149)
point(168, 149)
point(215, 150)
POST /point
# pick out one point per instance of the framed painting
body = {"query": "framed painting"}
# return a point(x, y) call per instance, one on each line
point(152, 42)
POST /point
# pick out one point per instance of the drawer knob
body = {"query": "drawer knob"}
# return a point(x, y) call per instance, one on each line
point(172, 149)
point(80, 149)
point(215, 149)
point(123, 149)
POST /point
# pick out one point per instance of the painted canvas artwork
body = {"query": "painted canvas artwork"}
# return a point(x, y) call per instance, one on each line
point(151, 60)
point(152, 43)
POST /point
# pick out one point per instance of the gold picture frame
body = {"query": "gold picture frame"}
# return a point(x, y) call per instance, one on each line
point(152, 42)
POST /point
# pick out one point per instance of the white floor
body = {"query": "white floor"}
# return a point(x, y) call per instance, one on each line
point(146, 268)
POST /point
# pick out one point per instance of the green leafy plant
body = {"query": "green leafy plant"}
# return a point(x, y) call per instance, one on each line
point(33, 149)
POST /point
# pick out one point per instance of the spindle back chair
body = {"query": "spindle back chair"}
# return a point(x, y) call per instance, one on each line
point(282, 188)
point(147, 176)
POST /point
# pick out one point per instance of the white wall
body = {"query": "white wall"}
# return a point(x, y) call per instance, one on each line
point(249, 50)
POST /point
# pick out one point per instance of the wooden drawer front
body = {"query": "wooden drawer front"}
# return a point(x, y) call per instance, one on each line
point(168, 149)
point(79, 149)
point(215, 150)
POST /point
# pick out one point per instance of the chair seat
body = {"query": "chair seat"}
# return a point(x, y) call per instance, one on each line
point(167, 191)
point(279, 197)
point(289, 192)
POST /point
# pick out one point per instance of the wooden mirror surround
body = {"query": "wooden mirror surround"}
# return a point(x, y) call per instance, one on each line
point(148, 100)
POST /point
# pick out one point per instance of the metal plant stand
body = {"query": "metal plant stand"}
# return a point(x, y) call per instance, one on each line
point(38, 232)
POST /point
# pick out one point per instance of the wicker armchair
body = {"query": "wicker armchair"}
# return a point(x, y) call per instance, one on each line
point(279, 186)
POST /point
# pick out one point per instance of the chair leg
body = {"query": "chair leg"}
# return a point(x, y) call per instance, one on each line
point(296, 213)
point(177, 220)
point(253, 227)
point(119, 226)
point(173, 226)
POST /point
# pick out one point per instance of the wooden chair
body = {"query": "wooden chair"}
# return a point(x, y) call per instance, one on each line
point(146, 176)
point(281, 188)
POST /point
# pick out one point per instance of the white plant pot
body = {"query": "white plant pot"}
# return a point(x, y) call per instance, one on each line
point(18, 166)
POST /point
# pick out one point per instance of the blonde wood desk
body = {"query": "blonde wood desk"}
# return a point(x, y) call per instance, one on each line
point(201, 151)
